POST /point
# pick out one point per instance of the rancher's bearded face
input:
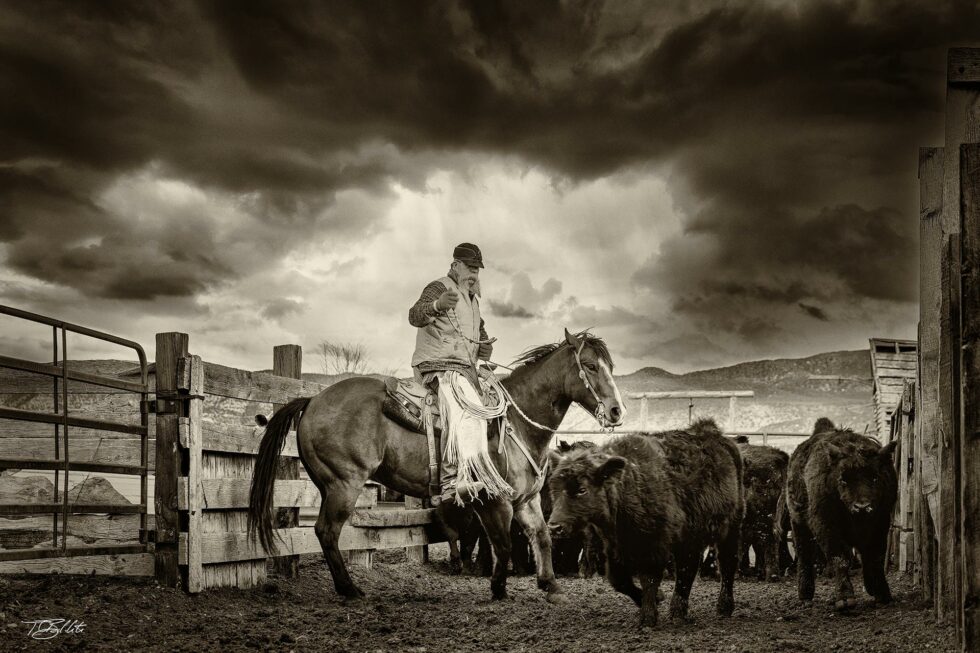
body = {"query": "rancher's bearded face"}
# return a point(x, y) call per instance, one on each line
point(466, 275)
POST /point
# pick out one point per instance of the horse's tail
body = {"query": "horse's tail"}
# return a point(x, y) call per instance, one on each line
point(260, 517)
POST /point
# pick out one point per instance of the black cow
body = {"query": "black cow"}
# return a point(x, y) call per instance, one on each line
point(764, 477)
point(655, 498)
point(840, 494)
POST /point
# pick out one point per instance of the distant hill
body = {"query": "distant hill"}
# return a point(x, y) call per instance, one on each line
point(790, 393)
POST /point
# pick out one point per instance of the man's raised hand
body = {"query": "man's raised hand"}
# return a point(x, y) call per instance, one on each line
point(447, 300)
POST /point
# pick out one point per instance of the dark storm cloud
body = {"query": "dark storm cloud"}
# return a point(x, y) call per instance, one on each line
point(814, 311)
point(782, 125)
point(507, 309)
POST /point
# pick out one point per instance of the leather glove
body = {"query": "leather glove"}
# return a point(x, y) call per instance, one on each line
point(484, 351)
point(447, 300)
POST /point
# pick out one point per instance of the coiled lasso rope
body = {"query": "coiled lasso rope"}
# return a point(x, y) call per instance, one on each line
point(497, 410)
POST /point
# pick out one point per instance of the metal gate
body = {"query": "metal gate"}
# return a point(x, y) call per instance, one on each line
point(61, 509)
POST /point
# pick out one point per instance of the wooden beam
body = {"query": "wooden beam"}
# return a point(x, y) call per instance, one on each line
point(170, 347)
point(106, 451)
point(948, 525)
point(970, 389)
point(234, 546)
point(927, 467)
point(287, 361)
point(692, 394)
point(226, 493)
point(238, 438)
point(255, 386)
point(393, 518)
point(127, 564)
point(192, 484)
point(418, 554)
point(963, 66)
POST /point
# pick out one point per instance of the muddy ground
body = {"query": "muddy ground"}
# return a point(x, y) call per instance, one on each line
point(421, 608)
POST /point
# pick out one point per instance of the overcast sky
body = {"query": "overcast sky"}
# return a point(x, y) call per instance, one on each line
point(700, 183)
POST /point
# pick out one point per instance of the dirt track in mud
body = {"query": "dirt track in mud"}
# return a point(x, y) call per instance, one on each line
point(423, 609)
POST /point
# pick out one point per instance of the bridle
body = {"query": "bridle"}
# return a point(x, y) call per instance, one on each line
point(600, 408)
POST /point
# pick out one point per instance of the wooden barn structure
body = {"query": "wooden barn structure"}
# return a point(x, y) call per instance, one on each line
point(893, 362)
point(936, 420)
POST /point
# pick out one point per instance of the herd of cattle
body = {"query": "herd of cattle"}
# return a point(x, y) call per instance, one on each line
point(644, 505)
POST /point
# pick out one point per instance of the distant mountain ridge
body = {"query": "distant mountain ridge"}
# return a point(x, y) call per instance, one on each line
point(836, 372)
point(790, 393)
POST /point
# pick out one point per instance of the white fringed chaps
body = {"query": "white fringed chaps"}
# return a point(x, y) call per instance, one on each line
point(466, 445)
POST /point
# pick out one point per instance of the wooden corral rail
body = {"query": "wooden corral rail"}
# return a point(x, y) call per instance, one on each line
point(201, 532)
point(691, 395)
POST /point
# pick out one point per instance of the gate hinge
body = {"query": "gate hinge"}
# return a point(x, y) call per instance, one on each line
point(166, 404)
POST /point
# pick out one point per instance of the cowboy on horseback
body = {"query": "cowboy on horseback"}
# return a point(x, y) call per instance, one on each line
point(451, 339)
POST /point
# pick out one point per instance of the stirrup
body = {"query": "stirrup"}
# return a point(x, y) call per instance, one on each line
point(468, 490)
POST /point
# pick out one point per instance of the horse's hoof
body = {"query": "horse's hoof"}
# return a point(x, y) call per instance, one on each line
point(557, 598)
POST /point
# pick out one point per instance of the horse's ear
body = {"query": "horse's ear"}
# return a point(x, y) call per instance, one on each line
point(572, 340)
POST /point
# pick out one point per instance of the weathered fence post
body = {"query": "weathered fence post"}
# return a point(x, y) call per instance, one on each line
point(287, 360)
point(949, 390)
point(195, 458)
point(416, 553)
point(970, 388)
point(170, 348)
point(962, 126)
point(927, 454)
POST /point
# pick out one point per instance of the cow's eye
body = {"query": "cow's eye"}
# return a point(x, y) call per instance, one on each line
point(581, 491)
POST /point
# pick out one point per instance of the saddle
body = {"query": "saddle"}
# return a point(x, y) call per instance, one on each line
point(404, 402)
point(411, 405)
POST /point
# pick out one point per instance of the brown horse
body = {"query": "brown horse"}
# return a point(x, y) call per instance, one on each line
point(344, 440)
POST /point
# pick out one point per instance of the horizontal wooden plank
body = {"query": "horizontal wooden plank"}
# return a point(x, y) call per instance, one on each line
point(225, 493)
point(234, 438)
point(48, 369)
point(112, 451)
point(53, 418)
point(963, 66)
point(72, 551)
point(390, 518)
point(50, 464)
point(41, 508)
point(691, 394)
point(230, 547)
point(255, 386)
point(127, 564)
point(28, 531)
point(233, 493)
point(891, 357)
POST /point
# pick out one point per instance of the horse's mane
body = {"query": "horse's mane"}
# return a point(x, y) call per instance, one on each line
point(535, 354)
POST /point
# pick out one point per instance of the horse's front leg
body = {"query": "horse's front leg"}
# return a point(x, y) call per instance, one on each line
point(496, 517)
point(530, 517)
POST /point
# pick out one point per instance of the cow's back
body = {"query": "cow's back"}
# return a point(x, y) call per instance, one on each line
point(705, 470)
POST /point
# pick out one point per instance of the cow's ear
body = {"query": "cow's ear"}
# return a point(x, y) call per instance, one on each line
point(610, 469)
point(835, 452)
point(887, 450)
point(564, 447)
point(823, 425)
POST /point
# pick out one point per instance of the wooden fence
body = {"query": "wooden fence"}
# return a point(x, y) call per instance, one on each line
point(198, 454)
point(945, 467)
point(208, 447)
